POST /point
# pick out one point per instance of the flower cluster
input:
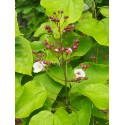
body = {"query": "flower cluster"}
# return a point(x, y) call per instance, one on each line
point(40, 64)
point(80, 73)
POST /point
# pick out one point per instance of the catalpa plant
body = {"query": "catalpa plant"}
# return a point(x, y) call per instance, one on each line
point(63, 77)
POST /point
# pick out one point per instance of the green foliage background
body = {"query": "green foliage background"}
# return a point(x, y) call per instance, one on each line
point(38, 94)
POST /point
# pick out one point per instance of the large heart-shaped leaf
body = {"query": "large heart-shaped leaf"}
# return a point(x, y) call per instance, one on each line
point(29, 97)
point(23, 56)
point(60, 117)
point(97, 93)
point(97, 29)
point(71, 8)
point(52, 87)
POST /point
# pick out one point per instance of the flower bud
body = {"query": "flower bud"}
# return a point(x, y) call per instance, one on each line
point(65, 17)
point(44, 62)
point(50, 63)
point(79, 78)
point(52, 45)
point(47, 27)
point(85, 78)
point(33, 51)
point(45, 42)
point(41, 54)
point(67, 52)
point(74, 47)
point(37, 59)
point(62, 49)
point(48, 47)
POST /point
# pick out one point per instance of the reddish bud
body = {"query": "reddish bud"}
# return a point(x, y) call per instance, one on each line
point(52, 45)
point(45, 42)
point(79, 78)
point(47, 27)
point(67, 52)
point(63, 49)
point(77, 44)
point(49, 30)
point(74, 47)
point(48, 47)
point(50, 63)
point(51, 17)
point(41, 54)
point(44, 61)
point(65, 17)
point(33, 51)
point(76, 41)
point(87, 66)
point(37, 59)
point(85, 78)
point(81, 65)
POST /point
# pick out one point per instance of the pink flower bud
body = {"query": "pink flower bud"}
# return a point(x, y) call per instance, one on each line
point(74, 47)
point(41, 54)
point(44, 62)
point(48, 47)
point(79, 78)
point(37, 59)
point(33, 51)
point(52, 45)
point(56, 50)
point(45, 42)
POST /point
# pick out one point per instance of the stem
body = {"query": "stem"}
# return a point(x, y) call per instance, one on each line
point(66, 88)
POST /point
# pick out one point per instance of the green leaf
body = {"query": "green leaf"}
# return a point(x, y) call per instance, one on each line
point(23, 56)
point(37, 45)
point(17, 31)
point(61, 117)
point(97, 93)
point(97, 29)
point(83, 115)
point(52, 87)
point(18, 78)
point(57, 74)
point(104, 11)
point(32, 96)
point(71, 8)
point(84, 46)
point(41, 30)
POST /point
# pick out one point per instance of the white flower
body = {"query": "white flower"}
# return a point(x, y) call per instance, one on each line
point(79, 73)
point(38, 66)
point(70, 50)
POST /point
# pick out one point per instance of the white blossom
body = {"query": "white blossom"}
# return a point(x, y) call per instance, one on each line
point(70, 50)
point(79, 73)
point(38, 66)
